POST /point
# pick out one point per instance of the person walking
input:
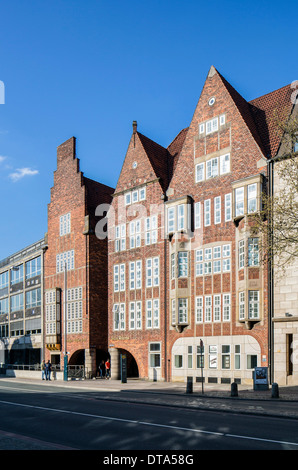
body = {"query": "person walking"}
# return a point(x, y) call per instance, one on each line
point(48, 370)
point(108, 366)
point(102, 369)
point(43, 369)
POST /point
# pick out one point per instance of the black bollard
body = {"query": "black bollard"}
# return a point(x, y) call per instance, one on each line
point(234, 390)
point(189, 385)
point(275, 391)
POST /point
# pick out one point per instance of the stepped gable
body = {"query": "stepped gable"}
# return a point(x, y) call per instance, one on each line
point(266, 109)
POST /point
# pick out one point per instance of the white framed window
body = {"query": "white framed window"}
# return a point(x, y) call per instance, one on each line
point(33, 298)
point(200, 172)
point(173, 266)
point(33, 267)
point(237, 356)
point(128, 198)
point(171, 219)
point(152, 313)
point(253, 252)
point(207, 212)
point(182, 311)
point(4, 280)
point(239, 201)
point(197, 215)
point(241, 253)
point(202, 128)
point(139, 274)
point(199, 262)
point(253, 304)
point(155, 355)
point(211, 126)
point(217, 308)
point(212, 168)
point(120, 238)
point(222, 119)
point(119, 316)
point(64, 224)
point(135, 234)
point(135, 315)
point(226, 356)
point(251, 198)
point(228, 207)
point(216, 259)
point(173, 311)
point(122, 277)
point(217, 210)
point(208, 261)
point(226, 261)
point(151, 230)
point(134, 196)
point(116, 278)
point(142, 194)
point(199, 309)
point(225, 164)
point(241, 305)
point(208, 308)
point(182, 264)
point(132, 274)
point(152, 272)
point(181, 217)
point(226, 307)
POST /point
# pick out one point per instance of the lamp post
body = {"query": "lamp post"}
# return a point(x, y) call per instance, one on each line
point(65, 368)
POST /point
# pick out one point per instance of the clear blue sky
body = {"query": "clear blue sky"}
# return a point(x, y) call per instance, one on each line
point(88, 68)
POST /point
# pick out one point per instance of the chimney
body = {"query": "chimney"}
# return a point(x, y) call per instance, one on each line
point(134, 126)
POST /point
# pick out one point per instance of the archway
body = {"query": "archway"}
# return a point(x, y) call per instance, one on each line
point(132, 366)
point(77, 358)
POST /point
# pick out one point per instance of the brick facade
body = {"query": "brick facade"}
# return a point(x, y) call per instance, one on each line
point(75, 198)
point(211, 284)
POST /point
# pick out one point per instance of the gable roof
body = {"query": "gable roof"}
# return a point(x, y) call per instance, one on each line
point(267, 109)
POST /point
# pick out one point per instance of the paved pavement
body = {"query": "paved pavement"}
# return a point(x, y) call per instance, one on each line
point(215, 398)
point(212, 397)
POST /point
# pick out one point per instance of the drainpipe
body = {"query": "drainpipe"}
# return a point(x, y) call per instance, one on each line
point(270, 167)
point(164, 198)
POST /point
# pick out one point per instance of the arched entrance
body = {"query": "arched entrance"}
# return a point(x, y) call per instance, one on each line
point(132, 366)
point(77, 358)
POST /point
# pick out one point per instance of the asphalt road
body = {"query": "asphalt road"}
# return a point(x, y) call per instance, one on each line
point(35, 418)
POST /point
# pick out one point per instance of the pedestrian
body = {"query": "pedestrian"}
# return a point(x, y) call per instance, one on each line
point(102, 369)
point(108, 366)
point(43, 370)
point(48, 370)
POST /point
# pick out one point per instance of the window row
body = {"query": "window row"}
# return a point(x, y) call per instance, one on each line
point(225, 356)
point(32, 299)
point(136, 232)
point(213, 260)
point(211, 168)
point(32, 269)
point(134, 196)
point(152, 315)
point(135, 274)
point(213, 308)
point(212, 125)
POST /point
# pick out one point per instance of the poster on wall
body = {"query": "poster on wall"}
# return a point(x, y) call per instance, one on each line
point(212, 357)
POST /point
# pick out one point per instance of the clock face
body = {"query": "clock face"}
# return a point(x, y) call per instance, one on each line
point(211, 101)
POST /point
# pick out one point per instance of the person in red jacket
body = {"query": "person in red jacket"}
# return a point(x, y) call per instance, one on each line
point(108, 366)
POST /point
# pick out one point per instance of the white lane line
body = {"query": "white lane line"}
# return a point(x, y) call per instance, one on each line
point(145, 423)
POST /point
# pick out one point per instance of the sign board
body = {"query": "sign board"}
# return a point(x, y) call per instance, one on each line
point(123, 368)
point(260, 378)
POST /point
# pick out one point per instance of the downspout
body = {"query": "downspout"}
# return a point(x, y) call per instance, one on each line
point(164, 198)
point(270, 278)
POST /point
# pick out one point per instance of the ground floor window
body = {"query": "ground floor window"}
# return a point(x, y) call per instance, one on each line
point(154, 354)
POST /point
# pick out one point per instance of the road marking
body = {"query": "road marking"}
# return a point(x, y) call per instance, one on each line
point(145, 423)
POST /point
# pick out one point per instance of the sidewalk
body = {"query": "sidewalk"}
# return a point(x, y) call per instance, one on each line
point(214, 396)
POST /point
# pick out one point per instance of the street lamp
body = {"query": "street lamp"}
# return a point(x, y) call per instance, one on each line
point(65, 369)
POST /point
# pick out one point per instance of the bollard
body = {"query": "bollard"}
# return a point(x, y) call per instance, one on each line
point(274, 391)
point(234, 390)
point(189, 385)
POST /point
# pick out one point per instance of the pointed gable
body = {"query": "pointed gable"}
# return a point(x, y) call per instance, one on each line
point(266, 110)
point(146, 160)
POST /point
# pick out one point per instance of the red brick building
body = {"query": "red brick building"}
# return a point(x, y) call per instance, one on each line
point(186, 285)
point(73, 244)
